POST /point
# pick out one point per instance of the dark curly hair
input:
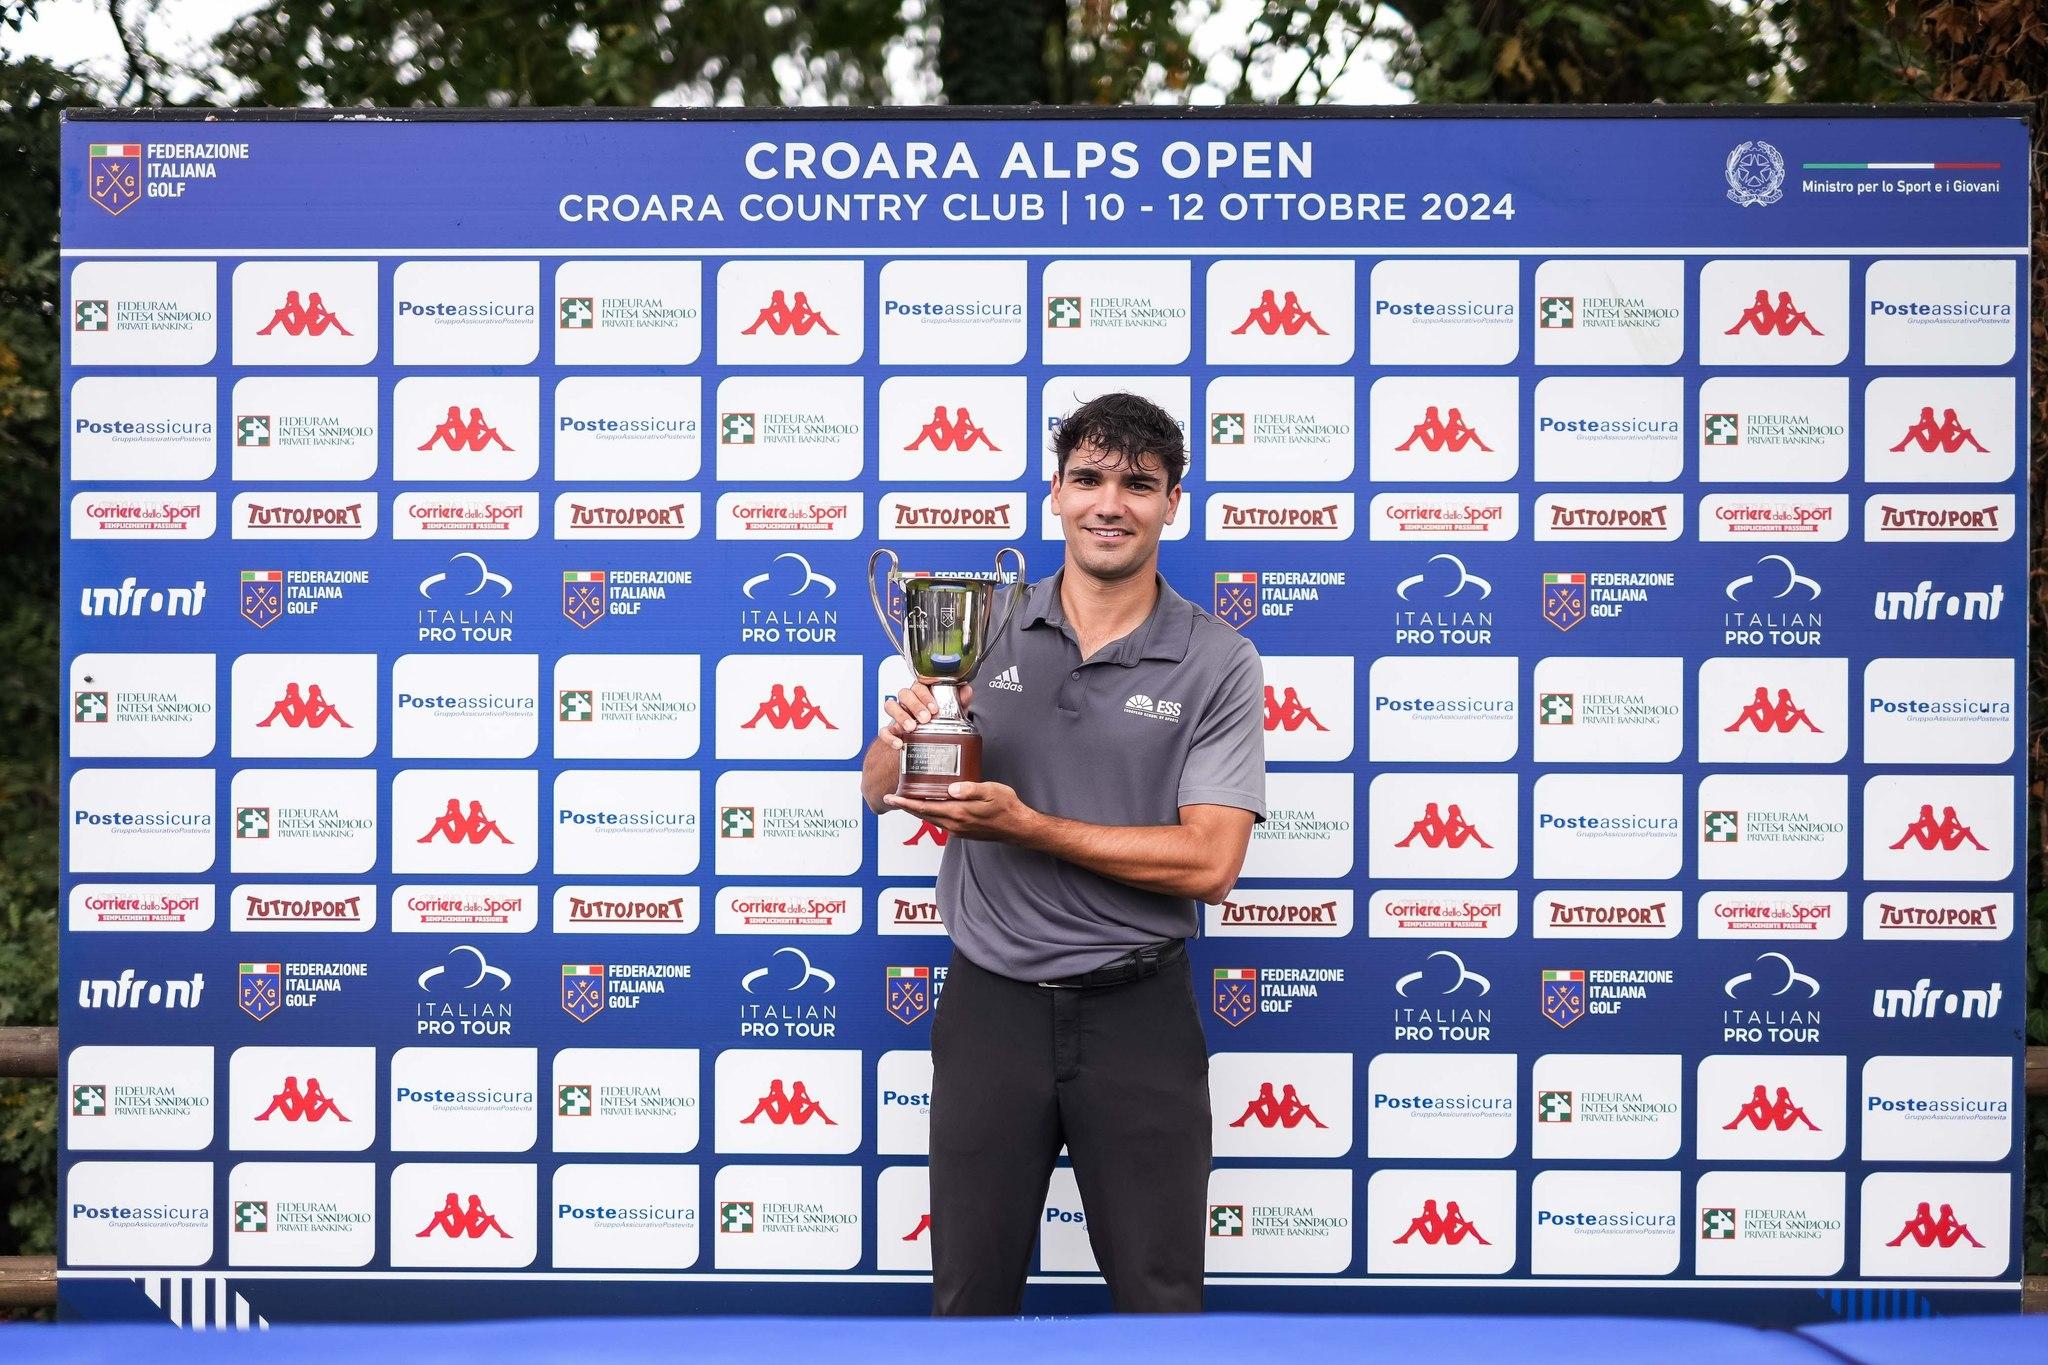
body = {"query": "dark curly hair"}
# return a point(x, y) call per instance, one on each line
point(1127, 427)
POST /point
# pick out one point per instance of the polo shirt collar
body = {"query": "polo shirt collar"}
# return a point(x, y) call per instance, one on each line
point(1162, 635)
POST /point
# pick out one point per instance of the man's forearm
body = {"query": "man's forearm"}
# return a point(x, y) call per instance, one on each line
point(1174, 860)
point(879, 772)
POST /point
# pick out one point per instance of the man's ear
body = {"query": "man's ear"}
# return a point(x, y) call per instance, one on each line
point(1172, 502)
point(1055, 504)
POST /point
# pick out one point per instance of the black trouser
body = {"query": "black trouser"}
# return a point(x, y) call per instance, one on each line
point(1120, 1074)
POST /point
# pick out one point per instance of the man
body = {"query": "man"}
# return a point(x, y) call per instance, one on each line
point(1123, 734)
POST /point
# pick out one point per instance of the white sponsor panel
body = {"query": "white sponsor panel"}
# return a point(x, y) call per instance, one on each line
point(952, 312)
point(1460, 429)
point(1769, 1223)
point(303, 428)
point(1284, 1104)
point(1606, 1106)
point(142, 427)
point(1610, 312)
point(139, 1099)
point(141, 706)
point(628, 313)
point(138, 1213)
point(1771, 1107)
point(1948, 429)
point(302, 1213)
point(130, 514)
point(1937, 828)
point(780, 430)
point(1939, 312)
point(148, 313)
point(1471, 913)
point(465, 313)
point(1610, 516)
point(1775, 827)
point(790, 706)
point(615, 909)
point(1608, 430)
point(1280, 516)
point(791, 312)
point(625, 823)
point(769, 822)
point(627, 705)
point(1436, 826)
point(646, 429)
point(140, 820)
point(955, 514)
point(1983, 517)
point(1773, 914)
point(903, 1219)
point(1773, 430)
point(818, 514)
point(1938, 711)
point(903, 1103)
point(1444, 516)
point(303, 312)
point(1937, 1108)
point(952, 429)
point(786, 1217)
point(1438, 1222)
point(1774, 312)
point(1936, 916)
point(1307, 831)
point(807, 910)
point(1608, 709)
point(1437, 1105)
point(1604, 1223)
point(446, 706)
point(302, 1099)
point(1098, 312)
point(1458, 312)
point(1607, 914)
point(1279, 429)
point(1773, 710)
point(1180, 519)
point(301, 908)
point(1429, 710)
point(303, 820)
point(140, 907)
point(1063, 393)
point(1774, 516)
point(465, 821)
point(1608, 826)
point(282, 515)
point(1308, 708)
point(454, 514)
point(638, 1217)
point(464, 1099)
point(907, 845)
point(1063, 1243)
point(1275, 311)
point(447, 908)
point(464, 1214)
point(787, 1099)
point(1272, 1220)
point(627, 1099)
point(1936, 1224)
point(1284, 912)
point(304, 706)
point(465, 428)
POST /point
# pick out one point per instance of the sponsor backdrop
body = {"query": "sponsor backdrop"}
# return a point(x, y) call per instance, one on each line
point(471, 910)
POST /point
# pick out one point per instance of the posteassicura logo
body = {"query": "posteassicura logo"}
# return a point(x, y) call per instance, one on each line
point(113, 175)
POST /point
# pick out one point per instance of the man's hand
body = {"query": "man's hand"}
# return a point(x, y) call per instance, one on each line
point(978, 810)
point(913, 706)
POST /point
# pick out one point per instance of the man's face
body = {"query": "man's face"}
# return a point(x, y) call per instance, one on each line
point(1113, 512)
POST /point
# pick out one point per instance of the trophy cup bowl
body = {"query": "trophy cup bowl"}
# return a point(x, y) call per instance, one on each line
point(947, 631)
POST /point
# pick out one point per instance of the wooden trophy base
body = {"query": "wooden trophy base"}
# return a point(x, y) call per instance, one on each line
point(934, 760)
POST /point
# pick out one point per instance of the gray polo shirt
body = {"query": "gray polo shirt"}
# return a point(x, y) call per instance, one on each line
point(1171, 715)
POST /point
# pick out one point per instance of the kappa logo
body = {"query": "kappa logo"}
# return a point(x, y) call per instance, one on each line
point(927, 830)
point(1767, 1115)
point(474, 436)
point(783, 712)
point(784, 316)
point(1288, 712)
point(1923, 1229)
point(456, 827)
point(1448, 1228)
point(1438, 829)
point(113, 175)
point(1948, 835)
point(1755, 173)
point(1766, 717)
point(1947, 436)
point(1765, 318)
point(796, 1106)
point(310, 318)
point(924, 1223)
point(958, 432)
point(1286, 318)
point(311, 711)
point(1287, 1111)
point(457, 1220)
point(1438, 433)
point(294, 1105)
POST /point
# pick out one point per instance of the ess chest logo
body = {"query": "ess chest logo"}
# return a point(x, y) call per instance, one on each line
point(1142, 705)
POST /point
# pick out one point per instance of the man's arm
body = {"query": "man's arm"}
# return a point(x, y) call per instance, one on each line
point(882, 767)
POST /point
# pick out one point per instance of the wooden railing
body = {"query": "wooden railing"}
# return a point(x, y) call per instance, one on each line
point(31, 1281)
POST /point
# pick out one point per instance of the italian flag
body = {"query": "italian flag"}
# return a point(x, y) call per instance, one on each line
point(1237, 973)
point(263, 968)
point(1564, 976)
point(262, 576)
point(117, 149)
point(1237, 578)
point(582, 969)
point(912, 972)
point(1550, 578)
point(591, 576)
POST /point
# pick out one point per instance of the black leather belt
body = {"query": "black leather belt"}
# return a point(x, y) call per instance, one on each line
point(1135, 965)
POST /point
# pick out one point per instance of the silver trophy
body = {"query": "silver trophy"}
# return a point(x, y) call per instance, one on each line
point(946, 634)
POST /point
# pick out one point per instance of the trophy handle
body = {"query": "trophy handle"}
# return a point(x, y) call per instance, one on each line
point(881, 612)
point(1009, 607)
